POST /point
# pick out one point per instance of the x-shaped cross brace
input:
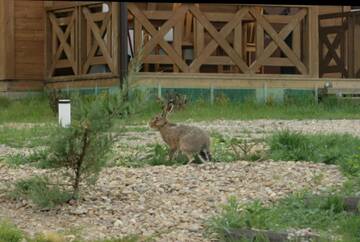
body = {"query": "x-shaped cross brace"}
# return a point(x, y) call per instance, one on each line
point(332, 52)
point(63, 43)
point(278, 40)
point(98, 37)
point(158, 36)
point(92, 51)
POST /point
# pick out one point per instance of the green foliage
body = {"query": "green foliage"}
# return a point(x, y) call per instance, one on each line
point(9, 233)
point(53, 96)
point(28, 109)
point(37, 158)
point(153, 154)
point(302, 210)
point(327, 148)
point(352, 164)
point(82, 147)
point(4, 102)
point(25, 137)
point(159, 155)
point(40, 192)
point(220, 148)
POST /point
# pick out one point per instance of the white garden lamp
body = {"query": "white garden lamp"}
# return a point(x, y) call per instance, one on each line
point(64, 112)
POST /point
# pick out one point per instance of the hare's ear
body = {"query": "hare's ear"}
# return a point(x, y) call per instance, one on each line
point(169, 108)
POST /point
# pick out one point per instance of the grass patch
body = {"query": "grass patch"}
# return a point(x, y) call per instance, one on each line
point(339, 149)
point(203, 111)
point(302, 210)
point(25, 137)
point(30, 109)
point(39, 159)
point(9, 232)
point(37, 109)
point(38, 190)
point(153, 155)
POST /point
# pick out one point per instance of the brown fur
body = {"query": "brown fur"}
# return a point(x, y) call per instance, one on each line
point(189, 140)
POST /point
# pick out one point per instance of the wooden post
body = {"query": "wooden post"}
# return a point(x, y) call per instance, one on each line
point(212, 94)
point(159, 90)
point(351, 46)
point(115, 12)
point(265, 92)
point(316, 90)
point(357, 47)
point(313, 38)
point(123, 54)
point(7, 40)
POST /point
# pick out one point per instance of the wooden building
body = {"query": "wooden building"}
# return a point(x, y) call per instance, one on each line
point(60, 44)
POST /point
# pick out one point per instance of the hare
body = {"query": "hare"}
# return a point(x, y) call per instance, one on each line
point(189, 140)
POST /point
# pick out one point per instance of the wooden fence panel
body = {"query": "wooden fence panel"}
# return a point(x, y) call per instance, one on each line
point(338, 46)
point(219, 38)
point(81, 40)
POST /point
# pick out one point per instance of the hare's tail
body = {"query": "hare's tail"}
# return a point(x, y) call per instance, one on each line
point(205, 155)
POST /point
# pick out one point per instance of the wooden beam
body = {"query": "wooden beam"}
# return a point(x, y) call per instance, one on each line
point(313, 36)
point(7, 39)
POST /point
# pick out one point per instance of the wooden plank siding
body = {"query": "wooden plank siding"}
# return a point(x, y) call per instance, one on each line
point(29, 43)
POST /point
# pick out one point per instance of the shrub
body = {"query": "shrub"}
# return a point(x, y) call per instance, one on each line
point(9, 233)
point(352, 164)
point(81, 148)
point(38, 190)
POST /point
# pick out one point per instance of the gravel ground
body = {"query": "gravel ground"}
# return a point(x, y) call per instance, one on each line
point(174, 202)
point(171, 201)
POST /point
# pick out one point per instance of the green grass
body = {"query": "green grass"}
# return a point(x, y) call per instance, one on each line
point(339, 149)
point(9, 232)
point(37, 109)
point(301, 210)
point(25, 137)
point(30, 110)
point(324, 214)
point(38, 190)
point(250, 110)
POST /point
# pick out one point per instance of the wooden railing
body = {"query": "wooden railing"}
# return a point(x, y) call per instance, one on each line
point(81, 40)
point(187, 38)
point(218, 39)
point(339, 50)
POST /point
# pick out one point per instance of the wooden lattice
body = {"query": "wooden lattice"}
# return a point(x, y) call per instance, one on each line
point(98, 41)
point(338, 46)
point(82, 40)
point(214, 31)
point(63, 39)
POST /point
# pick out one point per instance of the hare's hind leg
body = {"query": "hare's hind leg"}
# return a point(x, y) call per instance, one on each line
point(190, 157)
point(172, 153)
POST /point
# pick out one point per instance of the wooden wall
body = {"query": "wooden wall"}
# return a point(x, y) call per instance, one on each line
point(29, 39)
point(22, 61)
